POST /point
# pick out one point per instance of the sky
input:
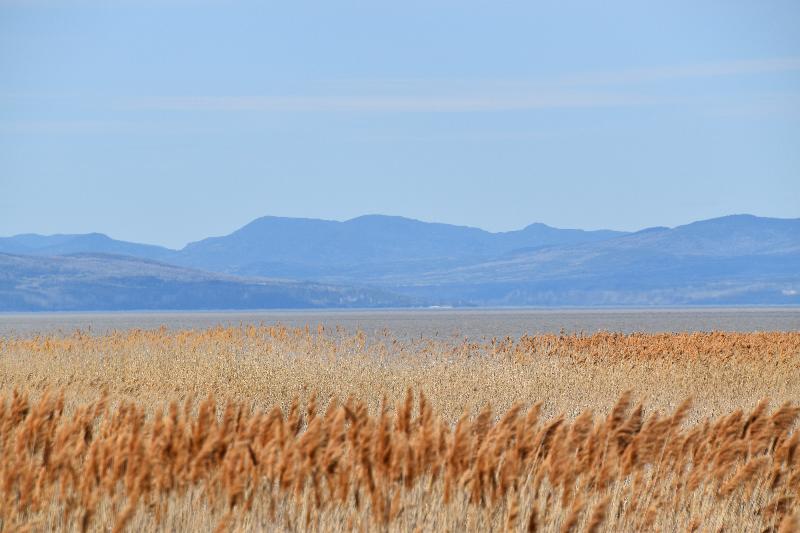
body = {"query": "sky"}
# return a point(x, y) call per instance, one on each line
point(169, 121)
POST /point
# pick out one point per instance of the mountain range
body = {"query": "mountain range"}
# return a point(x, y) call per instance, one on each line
point(378, 260)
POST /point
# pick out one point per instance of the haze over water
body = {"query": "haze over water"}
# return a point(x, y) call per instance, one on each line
point(441, 323)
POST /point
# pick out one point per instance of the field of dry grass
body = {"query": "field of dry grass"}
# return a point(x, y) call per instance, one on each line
point(260, 428)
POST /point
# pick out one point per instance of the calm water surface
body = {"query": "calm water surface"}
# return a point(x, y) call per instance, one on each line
point(428, 323)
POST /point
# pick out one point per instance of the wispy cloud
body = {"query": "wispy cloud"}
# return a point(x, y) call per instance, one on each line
point(625, 88)
point(627, 78)
point(767, 105)
point(103, 4)
point(686, 72)
point(434, 103)
point(61, 126)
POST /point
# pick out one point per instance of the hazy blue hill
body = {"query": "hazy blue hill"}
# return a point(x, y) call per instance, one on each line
point(369, 245)
point(50, 245)
point(538, 235)
point(108, 282)
point(714, 239)
point(32, 241)
point(731, 235)
point(735, 259)
point(738, 259)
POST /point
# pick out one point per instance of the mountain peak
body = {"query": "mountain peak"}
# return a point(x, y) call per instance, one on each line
point(537, 225)
point(653, 229)
point(382, 220)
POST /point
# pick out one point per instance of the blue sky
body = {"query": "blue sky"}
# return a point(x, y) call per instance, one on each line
point(168, 121)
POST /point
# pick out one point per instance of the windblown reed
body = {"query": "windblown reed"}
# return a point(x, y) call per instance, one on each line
point(404, 468)
point(259, 428)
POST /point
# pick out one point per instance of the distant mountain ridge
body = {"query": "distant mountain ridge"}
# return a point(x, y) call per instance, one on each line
point(82, 282)
point(737, 259)
point(65, 244)
point(271, 246)
point(279, 246)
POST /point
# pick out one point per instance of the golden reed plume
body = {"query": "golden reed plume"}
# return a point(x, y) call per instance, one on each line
point(236, 467)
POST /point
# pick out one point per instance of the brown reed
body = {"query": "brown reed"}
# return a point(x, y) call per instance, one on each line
point(322, 431)
point(238, 468)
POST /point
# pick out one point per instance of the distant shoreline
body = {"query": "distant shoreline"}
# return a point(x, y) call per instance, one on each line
point(474, 323)
point(370, 310)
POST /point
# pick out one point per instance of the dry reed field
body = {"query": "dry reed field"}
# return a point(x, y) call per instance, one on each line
point(271, 428)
